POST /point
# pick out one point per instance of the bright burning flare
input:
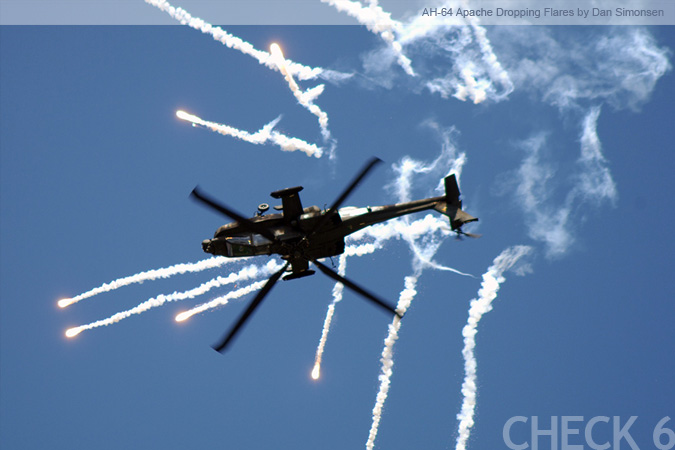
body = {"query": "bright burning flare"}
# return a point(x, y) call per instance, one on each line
point(189, 117)
point(276, 52)
point(72, 332)
point(183, 316)
point(65, 302)
point(316, 372)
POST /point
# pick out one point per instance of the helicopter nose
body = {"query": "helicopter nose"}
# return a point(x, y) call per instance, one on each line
point(206, 246)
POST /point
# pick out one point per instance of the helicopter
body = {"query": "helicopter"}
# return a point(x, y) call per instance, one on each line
point(303, 235)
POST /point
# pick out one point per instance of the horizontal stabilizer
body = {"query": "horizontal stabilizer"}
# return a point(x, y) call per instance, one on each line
point(457, 216)
point(460, 218)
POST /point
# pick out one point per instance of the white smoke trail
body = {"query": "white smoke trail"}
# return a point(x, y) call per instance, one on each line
point(379, 22)
point(263, 135)
point(154, 274)
point(592, 183)
point(306, 99)
point(220, 301)
point(71, 332)
point(220, 35)
point(244, 274)
point(492, 279)
point(410, 232)
point(425, 252)
point(405, 299)
point(337, 297)
point(268, 269)
point(595, 179)
point(449, 161)
point(363, 249)
point(493, 67)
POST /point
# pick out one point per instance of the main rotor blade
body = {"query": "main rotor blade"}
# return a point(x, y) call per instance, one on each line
point(246, 223)
point(337, 203)
point(251, 308)
point(356, 288)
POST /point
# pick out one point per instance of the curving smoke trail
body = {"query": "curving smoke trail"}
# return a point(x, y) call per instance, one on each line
point(265, 134)
point(154, 274)
point(449, 161)
point(428, 228)
point(593, 184)
point(475, 71)
point(306, 99)
point(492, 279)
point(494, 68)
point(379, 22)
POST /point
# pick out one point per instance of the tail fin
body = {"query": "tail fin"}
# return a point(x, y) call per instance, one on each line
point(452, 191)
point(452, 206)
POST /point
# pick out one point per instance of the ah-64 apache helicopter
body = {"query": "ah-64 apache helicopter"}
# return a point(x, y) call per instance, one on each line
point(303, 235)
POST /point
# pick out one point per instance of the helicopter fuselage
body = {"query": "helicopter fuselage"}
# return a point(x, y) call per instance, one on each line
point(234, 240)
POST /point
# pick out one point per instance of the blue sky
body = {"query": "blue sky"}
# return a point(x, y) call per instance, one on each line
point(95, 175)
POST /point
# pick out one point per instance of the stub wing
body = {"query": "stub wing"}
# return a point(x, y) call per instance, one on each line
point(299, 269)
point(291, 204)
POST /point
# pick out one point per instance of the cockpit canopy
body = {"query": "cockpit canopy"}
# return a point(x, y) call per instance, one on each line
point(233, 228)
